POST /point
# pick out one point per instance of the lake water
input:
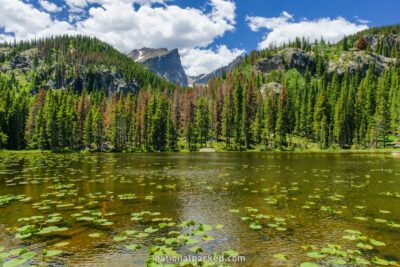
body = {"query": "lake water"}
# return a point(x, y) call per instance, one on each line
point(276, 209)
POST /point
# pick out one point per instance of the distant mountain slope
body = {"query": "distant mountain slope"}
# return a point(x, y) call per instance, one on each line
point(203, 78)
point(381, 52)
point(164, 62)
point(74, 62)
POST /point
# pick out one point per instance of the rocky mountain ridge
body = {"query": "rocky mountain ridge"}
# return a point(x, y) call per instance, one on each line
point(203, 78)
point(166, 63)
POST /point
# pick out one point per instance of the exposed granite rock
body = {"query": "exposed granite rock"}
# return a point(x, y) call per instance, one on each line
point(269, 87)
point(298, 59)
point(270, 63)
point(164, 62)
point(390, 40)
point(286, 59)
point(110, 81)
point(350, 61)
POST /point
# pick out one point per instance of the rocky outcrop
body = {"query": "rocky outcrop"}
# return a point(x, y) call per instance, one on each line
point(110, 81)
point(270, 63)
point(389, 40)
point(298, 59)
point(350, 62)
point(164, 62)
point(286, 59)
point(266, 89)
point(203, 78)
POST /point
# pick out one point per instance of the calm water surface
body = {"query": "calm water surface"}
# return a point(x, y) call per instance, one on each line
point(296, 200)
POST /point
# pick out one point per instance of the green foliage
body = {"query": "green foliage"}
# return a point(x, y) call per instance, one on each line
point(353, 110)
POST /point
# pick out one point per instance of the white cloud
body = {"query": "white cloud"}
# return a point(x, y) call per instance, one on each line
point(27, 22)
point(360, 20)
point(284, 28)
point(49, 6)
point(76, 3)
point(199, 61)
point(170, 26)
point(140, 2)
point(120, 24)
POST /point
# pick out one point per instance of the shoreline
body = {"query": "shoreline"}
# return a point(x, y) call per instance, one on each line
point(339, 151)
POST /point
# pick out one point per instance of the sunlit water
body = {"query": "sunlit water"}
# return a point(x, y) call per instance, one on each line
point(318, 196)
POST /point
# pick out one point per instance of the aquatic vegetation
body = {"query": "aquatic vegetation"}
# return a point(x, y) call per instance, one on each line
point(164, 208)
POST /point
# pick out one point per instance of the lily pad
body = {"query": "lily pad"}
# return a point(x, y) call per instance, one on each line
point(120, 238)
point(316, 255)
point(230, 253)
point(133, 247)
point(376, 243)
point(96, 235)
point(281, 256)
point(51, 253)
point(308, 264)
point(364, 246)
point(379, 261)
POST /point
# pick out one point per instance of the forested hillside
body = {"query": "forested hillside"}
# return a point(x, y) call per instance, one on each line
point(77, 63)
point(318, 95)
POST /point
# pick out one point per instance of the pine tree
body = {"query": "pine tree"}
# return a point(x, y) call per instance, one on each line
point(88, 130)
point(172, 132)
point(282, 120)
point(257, 127)
point(202, 120)
point(98, 129)
point(345, 44)
point(238, 103)
point(249, 112)
point(361, 44)
point(321, 120)
point(271, 112)
point(159, 126)
point(228, 110)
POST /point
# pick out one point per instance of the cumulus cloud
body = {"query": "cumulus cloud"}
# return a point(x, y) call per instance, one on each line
point(199, 61)
point(26, 22)
point(120, 24)
point(284, 28)
point(76, 3)
point(170, 26)
point(49, 6)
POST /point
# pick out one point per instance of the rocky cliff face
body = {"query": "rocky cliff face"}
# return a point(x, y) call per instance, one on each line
point(388, 40)
point(203, 78)
point(285, 60)
point(351, 61)
point(108, 79)
point(164, 62)
point(291, 58)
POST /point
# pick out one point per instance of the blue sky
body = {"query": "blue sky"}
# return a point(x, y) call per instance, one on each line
point(208, 33)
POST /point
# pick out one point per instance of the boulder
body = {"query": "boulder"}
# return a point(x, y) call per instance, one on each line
point(289, 58)
point(272, 86)
point(207, 150)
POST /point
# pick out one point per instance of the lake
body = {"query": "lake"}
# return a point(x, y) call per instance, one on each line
point(276, 209)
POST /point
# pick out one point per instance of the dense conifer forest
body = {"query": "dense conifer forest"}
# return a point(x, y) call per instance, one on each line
point(314, 109)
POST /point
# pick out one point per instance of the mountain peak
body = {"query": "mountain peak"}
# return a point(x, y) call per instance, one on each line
point(164, 62)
